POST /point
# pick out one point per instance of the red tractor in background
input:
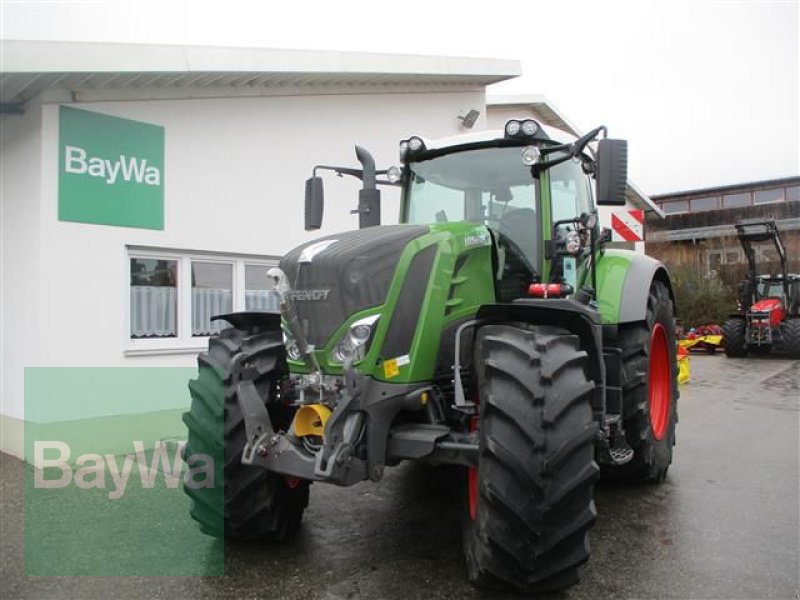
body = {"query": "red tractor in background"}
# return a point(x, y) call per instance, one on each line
point(769, 305)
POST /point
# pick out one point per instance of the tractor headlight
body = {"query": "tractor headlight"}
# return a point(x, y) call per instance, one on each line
point(393, 174)
point(526, 129)
point(403, 150)
point(292, 349)
point(415, 144)
point(355, 342)
point(529, 127)
point(411, 146)
point(530, 156)
point(512, 128)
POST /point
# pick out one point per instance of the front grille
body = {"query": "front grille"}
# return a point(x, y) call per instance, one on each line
point(350, 275)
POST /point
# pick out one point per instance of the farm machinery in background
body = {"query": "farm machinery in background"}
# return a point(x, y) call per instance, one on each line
point(768, 318)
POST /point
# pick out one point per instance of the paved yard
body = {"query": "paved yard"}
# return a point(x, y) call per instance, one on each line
point(724, 525)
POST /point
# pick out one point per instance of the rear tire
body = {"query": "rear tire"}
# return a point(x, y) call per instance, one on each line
point(253, 503)
point(533, 488)
point(649, 390)
point(734, 333)
point(791, 337)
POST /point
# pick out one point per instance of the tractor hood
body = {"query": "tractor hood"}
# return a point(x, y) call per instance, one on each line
point(333, 277)
point(766, 305)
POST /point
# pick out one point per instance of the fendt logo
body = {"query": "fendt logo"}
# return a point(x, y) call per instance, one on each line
point(308, 295)
point(110, 171)
point(129, 168)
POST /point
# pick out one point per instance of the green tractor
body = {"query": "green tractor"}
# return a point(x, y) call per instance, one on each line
point(490, 329)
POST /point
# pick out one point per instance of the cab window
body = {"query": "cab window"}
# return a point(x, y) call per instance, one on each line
point(570, 191)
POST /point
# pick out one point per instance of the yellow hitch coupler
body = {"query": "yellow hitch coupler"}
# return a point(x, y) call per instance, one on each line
point(310, 420)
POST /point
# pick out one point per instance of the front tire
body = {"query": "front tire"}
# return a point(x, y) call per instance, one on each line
point(734, 333)
point(649, 390)
point(531, 498)
point(253, 503)
point(791, 337)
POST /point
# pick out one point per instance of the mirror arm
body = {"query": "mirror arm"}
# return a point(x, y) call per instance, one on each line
point(542, 166)
point(574, 150)
point(357, 173)
point(581, 143)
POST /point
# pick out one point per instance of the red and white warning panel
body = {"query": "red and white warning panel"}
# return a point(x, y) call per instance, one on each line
point(627, 226)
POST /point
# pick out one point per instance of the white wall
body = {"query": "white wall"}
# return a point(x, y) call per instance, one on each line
point(21, 276)
point(234, 180)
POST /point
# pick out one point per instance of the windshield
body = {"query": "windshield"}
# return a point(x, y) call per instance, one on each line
point(489, 186)
point(477, 185)
point(767, 288)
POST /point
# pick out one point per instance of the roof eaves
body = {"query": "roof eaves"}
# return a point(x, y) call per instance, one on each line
point(792, 180)
point(22, 56)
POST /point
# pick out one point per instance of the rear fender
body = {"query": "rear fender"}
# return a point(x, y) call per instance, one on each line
point(623, 281)
point(249, 321)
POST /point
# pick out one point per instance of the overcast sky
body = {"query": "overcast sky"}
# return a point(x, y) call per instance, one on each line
point(707, 92)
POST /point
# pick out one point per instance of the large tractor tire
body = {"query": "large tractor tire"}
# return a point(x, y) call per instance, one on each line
point(649, 384)
point(734, 333)
point(530, 500)
point(791, 337)
point(252, 503)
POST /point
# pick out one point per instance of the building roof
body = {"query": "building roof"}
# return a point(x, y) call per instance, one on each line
point(547, 113)
point(712, 231)
point(724, 189)
point(92, 70)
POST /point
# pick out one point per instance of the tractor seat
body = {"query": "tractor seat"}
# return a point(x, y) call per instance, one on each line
point(519, 226)
point(518, 235)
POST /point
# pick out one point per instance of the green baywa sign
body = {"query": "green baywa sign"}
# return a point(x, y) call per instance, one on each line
point(111, 170)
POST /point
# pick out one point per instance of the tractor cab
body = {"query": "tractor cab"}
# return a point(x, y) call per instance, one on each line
point(528, 184)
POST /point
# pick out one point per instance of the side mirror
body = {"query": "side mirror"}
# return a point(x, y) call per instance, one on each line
point(315, 203)
point(612, 172)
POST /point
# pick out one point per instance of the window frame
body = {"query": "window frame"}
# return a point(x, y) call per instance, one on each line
point(692, 201)
point(664, 205)
point(234, 287)
point(782, 198)
point(184, 342)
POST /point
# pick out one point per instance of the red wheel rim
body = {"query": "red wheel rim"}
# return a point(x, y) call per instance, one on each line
point(472, 479)
point(660, 384)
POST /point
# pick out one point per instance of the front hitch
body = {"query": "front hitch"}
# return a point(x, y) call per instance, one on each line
point(282, 452)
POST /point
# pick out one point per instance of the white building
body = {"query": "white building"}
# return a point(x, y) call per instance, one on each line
point(219, 141)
